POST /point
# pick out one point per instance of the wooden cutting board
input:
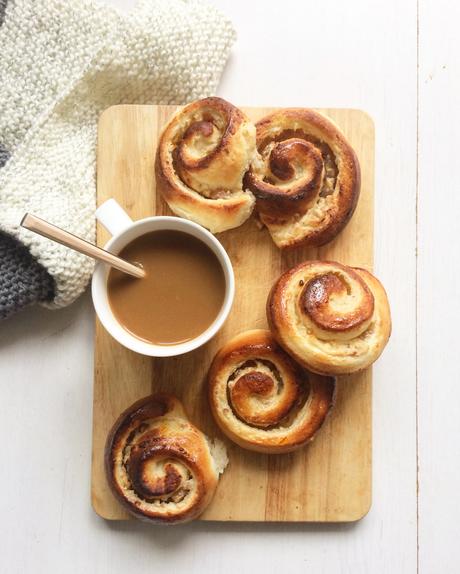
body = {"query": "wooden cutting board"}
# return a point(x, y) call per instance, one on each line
point(330, 479)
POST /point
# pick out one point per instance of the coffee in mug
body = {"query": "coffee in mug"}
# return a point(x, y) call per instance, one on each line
point(180, 296)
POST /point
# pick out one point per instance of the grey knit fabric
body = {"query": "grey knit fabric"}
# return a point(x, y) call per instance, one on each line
point(23, 281)
point(3, 4)
point(4, 155)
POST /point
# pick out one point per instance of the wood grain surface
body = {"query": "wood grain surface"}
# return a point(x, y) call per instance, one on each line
point(328, 481)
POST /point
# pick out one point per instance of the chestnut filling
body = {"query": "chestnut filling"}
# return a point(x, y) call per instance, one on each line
point(146, 483)
point(198, 146)
point(315, 301)
point(331, 169)
point(203, 136)
point(287, 155)
point(141, 461)
point(262, 399)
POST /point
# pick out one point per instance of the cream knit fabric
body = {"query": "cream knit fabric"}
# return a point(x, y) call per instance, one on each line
point(62, 62)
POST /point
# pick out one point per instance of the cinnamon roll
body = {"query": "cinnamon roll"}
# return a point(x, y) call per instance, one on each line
point(305, 177)
point(203, 153)
point(263, 400)
point(158, 465)
point(331, 318)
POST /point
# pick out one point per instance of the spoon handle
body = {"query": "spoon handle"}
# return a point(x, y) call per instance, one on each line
point(50, 231)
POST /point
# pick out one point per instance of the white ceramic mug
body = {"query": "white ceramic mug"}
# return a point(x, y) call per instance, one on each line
point(124, 230)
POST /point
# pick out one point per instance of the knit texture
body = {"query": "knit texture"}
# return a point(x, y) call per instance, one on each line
point(62, 64)
point(2, 10)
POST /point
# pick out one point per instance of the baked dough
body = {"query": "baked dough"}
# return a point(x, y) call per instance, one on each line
point(261, 399)
point(305, 177)
point(331, 318)
point(160, 466)
point(203, 154)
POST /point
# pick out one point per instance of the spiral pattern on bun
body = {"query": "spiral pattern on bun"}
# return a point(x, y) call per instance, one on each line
point(305, 177)
point(331, 318)
point(158, 465)
point(263, 400)
point(202, 156)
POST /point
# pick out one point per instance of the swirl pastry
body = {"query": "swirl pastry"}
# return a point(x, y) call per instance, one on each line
point(263, 400)
point(203, 154)
point(158, 465)
point(331, 318)
point(305, 177)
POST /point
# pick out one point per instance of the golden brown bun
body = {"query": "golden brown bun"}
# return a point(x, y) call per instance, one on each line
point(331, 318)
point(203, 153)
point(158, 465)
point(263, 400)
point(306, 177)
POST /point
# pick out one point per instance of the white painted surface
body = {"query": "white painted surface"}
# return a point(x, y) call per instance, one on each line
point(439, 281)
point(361, 54)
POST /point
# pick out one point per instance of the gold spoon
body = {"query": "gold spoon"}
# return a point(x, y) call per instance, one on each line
point(42, 227)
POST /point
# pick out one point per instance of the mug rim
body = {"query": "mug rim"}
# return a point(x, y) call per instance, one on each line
point(101, 302)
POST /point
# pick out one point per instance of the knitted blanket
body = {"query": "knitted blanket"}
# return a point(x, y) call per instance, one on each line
point(61, 64)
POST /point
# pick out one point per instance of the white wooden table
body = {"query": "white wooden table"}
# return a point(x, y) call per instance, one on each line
point(397, 60)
